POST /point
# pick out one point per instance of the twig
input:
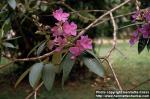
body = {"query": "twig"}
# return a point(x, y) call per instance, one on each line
point(114, 35)
point(25, 59)
point(113, 47)
point(32, 58)
point(83, 17)
point(114, 74)
point(125, 57)
point(102, 16)
point(137, 5)
point(126, 26)
point(2, 66)
point(115, 17)
point(35, 91)
point(88, 11)
point(146, 81)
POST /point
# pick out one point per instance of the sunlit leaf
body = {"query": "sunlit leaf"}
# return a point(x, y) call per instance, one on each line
point(35, 74)
point(94, 65)
point(48, 75)
point(12, 3)
point(66, 64)
point(92, 62)
point(9, 45)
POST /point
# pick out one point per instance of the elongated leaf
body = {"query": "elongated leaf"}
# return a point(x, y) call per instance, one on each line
point(22, 77)
point(91, 53)
point(41, 48)
point(142, 43)
point(35, 74)
point(12, 3)
point(48, 76)
point(14, 38)
point(5, 27)
point(94, 65)
point(9, 45)
point(66, 64)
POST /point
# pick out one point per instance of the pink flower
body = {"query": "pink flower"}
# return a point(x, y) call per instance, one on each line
point(59, 43)
point(57, 30)
point(136, 15)
point(81, 45)
point(60, 15)
point(134, 37)
point(85, 42)
point(70, 29)
point(145, 30)
point(75, 51)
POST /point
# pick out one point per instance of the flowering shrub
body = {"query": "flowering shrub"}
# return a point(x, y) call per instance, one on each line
point(142, 33)
point(66, 52)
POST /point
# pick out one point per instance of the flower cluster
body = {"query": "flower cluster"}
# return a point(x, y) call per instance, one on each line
point(144, 29)
point(63, 30)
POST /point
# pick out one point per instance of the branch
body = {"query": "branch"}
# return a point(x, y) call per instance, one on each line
point(2, 66)
point(114, 35)
point(146, 81)
point(35, 58)
point(73, 10)
point(114, 74)
point(101, 17)
point(35, 91)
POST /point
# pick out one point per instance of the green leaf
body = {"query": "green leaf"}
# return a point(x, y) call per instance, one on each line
point(12, 3)
point(14, 38)
point(35, 74)
point(41, 48)
point(91, 53)
point(148, 45)
point(48, 76)
point(66, 64)
point(5, 27)
point(22, 77)
point(9, 45)
point(94, 65)
point(142, 43)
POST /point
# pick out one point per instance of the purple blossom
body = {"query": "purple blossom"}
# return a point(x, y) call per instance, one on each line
point(145, 30)
point(70, 29)
point(57, 30)
point(147, 15)
point(60, 43)
point(76, 51)
point(135, 37)
point(136, 15)
point(60, 15)
point(83, 44)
